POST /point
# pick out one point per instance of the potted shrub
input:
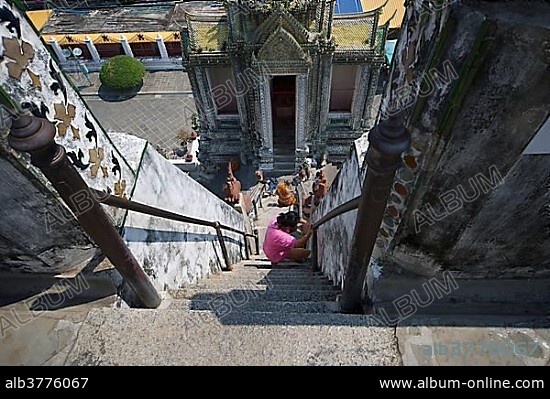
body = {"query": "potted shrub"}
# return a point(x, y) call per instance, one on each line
point(183, 136)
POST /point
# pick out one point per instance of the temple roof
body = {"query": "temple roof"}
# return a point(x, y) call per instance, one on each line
point(109, 20)
point(200, 9)
point(352, 33)
point(392, 8)
point(206, 20)
point(355, 30)
point(209, 36)
point(395, 8)
point(39, 17)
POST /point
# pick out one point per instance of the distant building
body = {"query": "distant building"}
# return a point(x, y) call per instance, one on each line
point(150, 33)
point(278, 81)
point(274, 80)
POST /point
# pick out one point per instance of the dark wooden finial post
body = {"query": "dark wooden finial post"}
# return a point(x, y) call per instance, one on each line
point(36, 136)
point(388, 140)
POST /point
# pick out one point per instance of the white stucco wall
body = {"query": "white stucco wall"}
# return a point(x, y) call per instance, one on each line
point(42, 84)
point(172, 253)
point(175, 253)
point(334, 239)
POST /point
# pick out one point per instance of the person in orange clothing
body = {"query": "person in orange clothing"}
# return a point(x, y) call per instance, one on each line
point(285, 195)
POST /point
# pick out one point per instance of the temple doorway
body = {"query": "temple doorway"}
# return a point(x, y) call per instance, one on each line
point(283, 108)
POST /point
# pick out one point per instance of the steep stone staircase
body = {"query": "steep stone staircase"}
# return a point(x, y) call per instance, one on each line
point(254, 315)
point(283, 165)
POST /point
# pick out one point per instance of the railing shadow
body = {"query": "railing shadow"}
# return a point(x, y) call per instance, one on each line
point(269, 300)
point(46, 292)
point(135, 234)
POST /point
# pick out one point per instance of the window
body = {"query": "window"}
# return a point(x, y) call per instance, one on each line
point(145, 49)
point(223, 90)
point(109, 49)
point(343, 87)
point(173, 49)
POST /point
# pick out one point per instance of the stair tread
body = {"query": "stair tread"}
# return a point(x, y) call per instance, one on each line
point(263, 273)
point(231, 276)
point(258, 294)
point(261, 306)
point(284, 283)
point(228, 288)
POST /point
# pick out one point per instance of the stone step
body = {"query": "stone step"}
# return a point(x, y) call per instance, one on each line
point(215, 293)
point(291, 268)
point(279, 266)
point(182, 337)
point(286, 168)
point(286, 159)
point(269, 285)
point(316, 280)
point(267, 264)
point(273, 273)
point(255, 293)
point(299, 295)
point(281, 271)
point(297, 319)
point(256, 277)
point(258, 306)
point(311, 280)
point(277, 173)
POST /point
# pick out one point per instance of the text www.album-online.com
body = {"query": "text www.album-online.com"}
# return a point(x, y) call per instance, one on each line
point(489, 383)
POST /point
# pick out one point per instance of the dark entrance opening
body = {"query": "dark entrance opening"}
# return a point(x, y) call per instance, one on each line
point(283, 108)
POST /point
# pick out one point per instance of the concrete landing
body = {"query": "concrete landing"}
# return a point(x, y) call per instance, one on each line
point(178, 337)
point(429, 345)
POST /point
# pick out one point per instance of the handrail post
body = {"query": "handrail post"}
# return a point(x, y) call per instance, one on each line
point(255, 207)
point(388, 140)
point(257, 241)
point(300, 200)
point(225, 255)
point(36, 136)
point(314, 253)
point(246, 248)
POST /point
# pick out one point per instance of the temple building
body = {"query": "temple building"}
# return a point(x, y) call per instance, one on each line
point(278, 81)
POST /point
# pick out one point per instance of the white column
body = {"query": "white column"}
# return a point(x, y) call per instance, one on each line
point(326, 78)
point(162, 48)
point(266, 151)
point(301, 111)
point(57, 50)
point(92, 49)
point(126, 46)
point(209, 108)
point(267, 117)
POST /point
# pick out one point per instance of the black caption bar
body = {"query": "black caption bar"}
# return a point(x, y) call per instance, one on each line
point(124, 380)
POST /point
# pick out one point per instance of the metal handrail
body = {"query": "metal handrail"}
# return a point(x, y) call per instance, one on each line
point(134, 206)
point(340, 210)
